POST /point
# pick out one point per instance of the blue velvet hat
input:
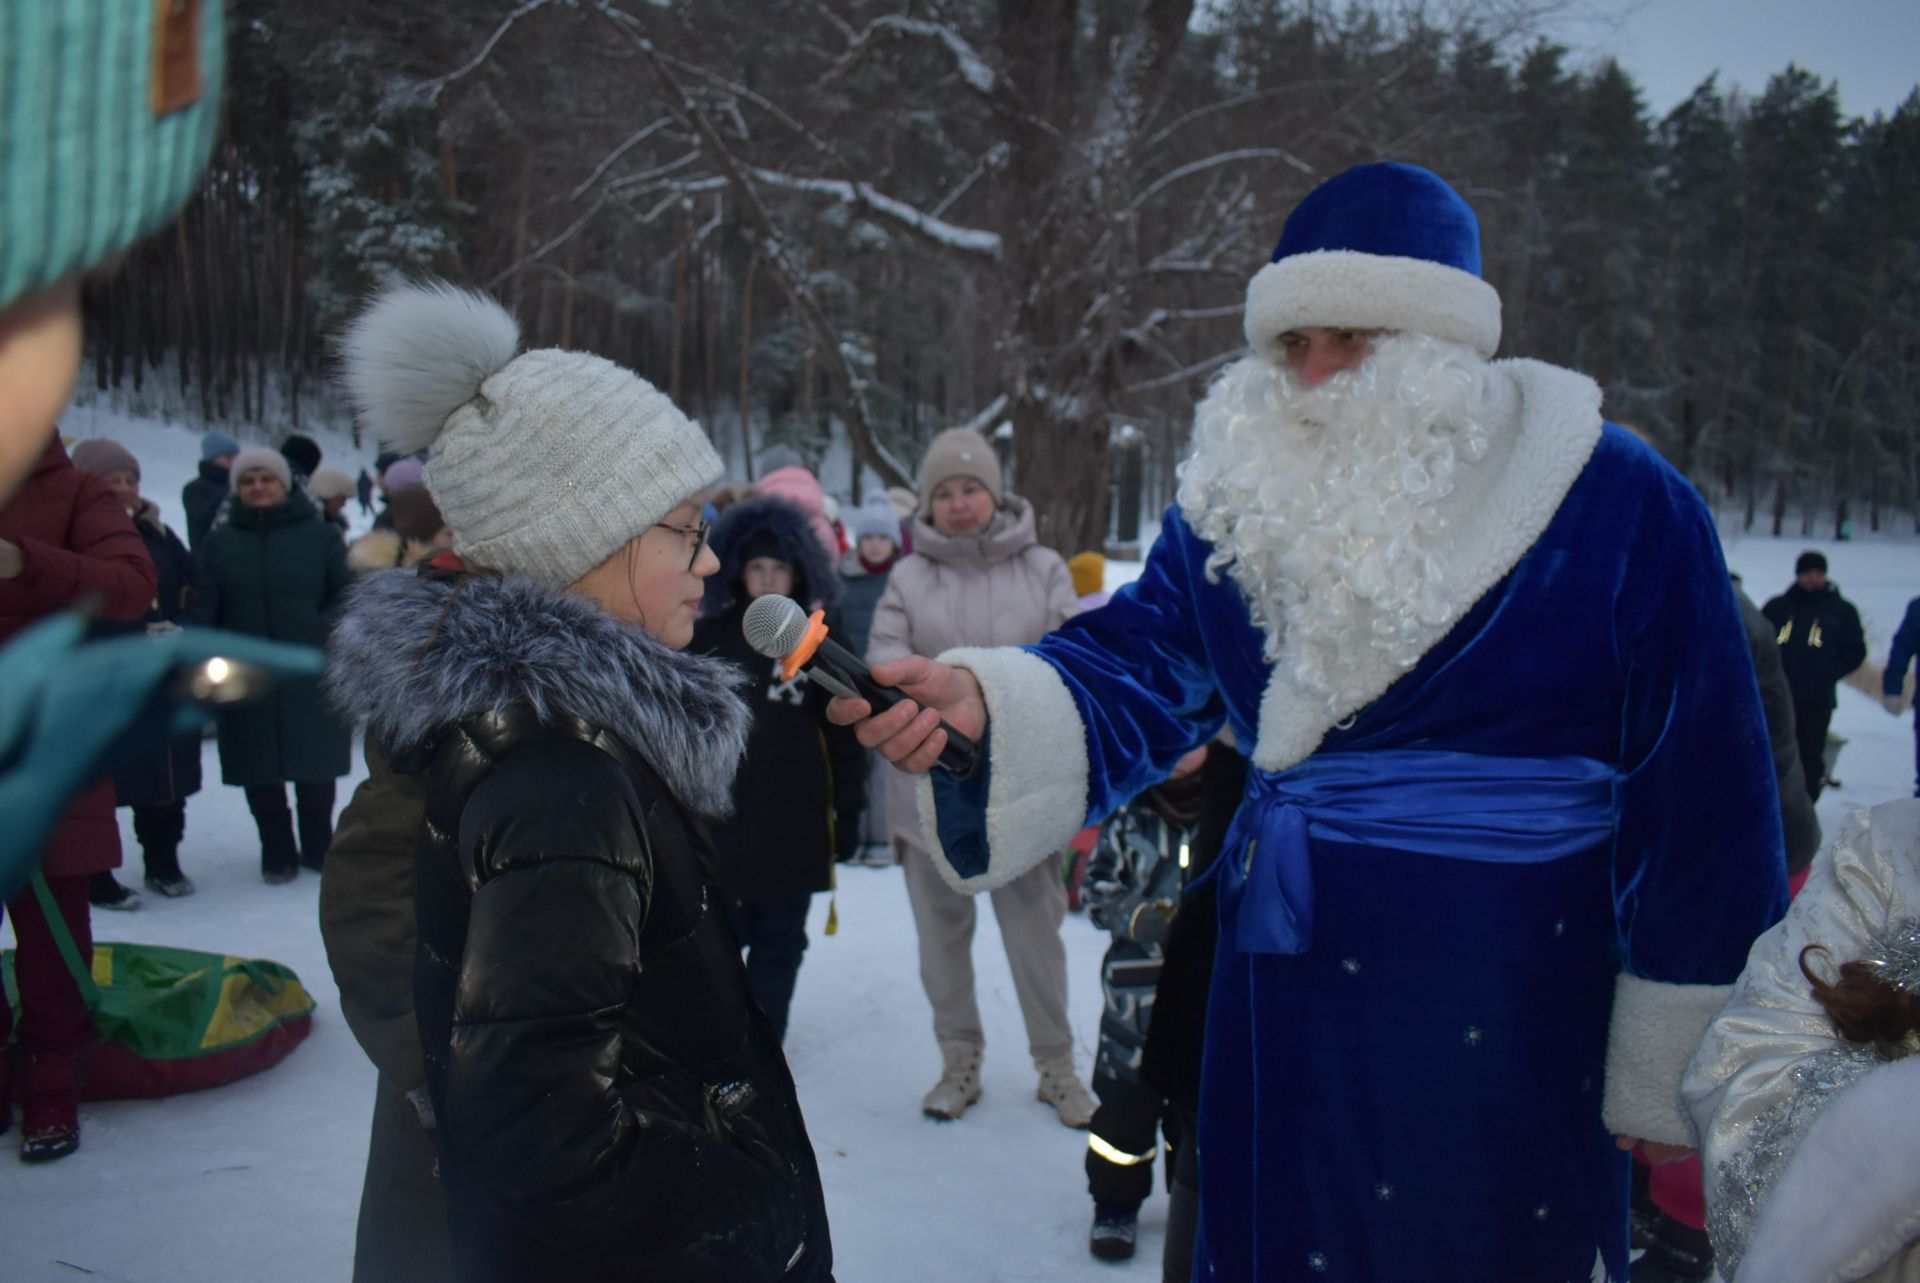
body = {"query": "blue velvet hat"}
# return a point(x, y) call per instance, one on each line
point(1380, 247)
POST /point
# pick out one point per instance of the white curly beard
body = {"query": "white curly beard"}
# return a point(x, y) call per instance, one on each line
point(1326, 504)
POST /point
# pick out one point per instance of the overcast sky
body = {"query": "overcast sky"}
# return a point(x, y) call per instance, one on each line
point(1872, 47)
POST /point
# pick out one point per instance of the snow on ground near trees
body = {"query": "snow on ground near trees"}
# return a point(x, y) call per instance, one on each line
point(260, 1180)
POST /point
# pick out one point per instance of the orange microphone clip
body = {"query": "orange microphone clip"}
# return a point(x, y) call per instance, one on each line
point(816, 633)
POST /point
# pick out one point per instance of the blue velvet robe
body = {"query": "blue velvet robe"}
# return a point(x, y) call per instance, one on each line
point(1417, 1095)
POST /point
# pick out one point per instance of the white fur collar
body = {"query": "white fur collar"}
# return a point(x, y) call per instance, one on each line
point(1497, 517)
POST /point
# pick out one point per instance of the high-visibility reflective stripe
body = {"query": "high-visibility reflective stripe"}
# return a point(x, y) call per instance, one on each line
point(1119, 1156)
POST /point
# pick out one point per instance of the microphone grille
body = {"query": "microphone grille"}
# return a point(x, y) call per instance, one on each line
point(774, 626)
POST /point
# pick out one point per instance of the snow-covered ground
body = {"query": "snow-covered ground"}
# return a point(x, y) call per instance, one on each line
point(260, 1180)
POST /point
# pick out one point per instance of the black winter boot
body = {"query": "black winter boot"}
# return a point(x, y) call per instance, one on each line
point(1114, 1230)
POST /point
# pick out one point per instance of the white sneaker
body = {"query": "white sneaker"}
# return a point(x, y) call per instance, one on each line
point(959, 1084)
point(1061, 1087)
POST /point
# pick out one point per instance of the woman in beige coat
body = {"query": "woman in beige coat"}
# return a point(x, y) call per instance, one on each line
point(979, 577)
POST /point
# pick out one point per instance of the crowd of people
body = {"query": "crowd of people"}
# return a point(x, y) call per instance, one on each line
point(1495, 883)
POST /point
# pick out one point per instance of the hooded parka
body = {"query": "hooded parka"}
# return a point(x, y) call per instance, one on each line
point(798, 794)
point(997, 587)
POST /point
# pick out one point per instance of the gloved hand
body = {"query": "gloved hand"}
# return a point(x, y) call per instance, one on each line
point(1893, 704)
point(64, 706)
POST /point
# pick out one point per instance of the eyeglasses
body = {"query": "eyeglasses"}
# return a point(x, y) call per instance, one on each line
point(696, 533)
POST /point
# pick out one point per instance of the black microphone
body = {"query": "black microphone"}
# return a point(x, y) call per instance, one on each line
point(776, 627)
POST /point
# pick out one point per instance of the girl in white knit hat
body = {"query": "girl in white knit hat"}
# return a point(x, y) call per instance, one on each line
point(607, 1100)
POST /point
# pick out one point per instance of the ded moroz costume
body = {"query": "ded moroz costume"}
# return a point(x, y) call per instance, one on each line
point(1511, 826)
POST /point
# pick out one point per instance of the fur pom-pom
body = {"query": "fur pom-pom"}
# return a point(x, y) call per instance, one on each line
point(418, 353)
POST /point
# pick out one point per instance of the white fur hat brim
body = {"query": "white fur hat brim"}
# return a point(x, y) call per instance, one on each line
point(1345, 289)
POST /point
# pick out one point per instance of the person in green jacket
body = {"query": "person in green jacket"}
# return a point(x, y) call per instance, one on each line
point(280, 569)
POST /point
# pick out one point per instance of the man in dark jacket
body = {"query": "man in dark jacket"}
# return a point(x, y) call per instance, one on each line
point(1893, 683)
point(202, 496)
point(797, 795)
point(1820, 642)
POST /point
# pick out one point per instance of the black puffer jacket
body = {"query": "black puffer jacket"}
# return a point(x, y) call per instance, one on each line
point(611, 1104)
point(1820, 640)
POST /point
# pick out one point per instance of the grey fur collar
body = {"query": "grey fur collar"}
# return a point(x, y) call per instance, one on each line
point(508, 641)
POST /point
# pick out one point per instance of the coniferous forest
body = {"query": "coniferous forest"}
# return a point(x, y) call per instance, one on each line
point(883, 219)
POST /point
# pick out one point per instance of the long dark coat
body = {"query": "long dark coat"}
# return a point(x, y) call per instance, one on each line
point(162, 768)
point(280, 572)
point(78, 543)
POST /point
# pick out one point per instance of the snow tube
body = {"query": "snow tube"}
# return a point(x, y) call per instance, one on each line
point(177, 1020)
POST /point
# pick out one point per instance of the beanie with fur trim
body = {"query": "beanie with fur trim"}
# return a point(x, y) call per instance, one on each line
point(958, 452)
point(1380, 247)
point(544, 463)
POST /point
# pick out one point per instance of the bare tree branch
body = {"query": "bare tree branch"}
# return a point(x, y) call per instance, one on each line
point(1193, 371)
point(859, 421)
point(633, 140)
point(1224, 158)
point(431, 88)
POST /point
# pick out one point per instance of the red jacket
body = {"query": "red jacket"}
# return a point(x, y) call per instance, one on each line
point(76, 542)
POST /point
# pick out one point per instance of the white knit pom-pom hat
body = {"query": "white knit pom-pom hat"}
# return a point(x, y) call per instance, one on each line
point(544, 463)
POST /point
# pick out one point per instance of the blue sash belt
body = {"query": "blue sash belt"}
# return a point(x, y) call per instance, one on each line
point(1461, 806)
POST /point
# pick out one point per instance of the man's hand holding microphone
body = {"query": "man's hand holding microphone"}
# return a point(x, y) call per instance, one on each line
point(917, 713)
point(909, 734)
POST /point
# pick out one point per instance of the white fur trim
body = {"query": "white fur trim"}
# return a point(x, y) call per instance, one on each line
point(1556, 428)
point(1848, 1202)
point(1345, 289)
point(1037, 799)
point(1656, 1028)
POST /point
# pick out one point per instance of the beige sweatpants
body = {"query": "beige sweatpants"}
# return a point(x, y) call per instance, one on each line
point(1030, 910)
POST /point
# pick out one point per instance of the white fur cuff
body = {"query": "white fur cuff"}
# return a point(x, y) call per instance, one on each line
point(1656, 1029)
point(1344, 289)
point(1037, 747)
point(1849, 1200)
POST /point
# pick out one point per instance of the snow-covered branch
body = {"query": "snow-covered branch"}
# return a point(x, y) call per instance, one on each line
point(974, 69)
point(793, 277)
point(964, 240)
point(990, 417)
